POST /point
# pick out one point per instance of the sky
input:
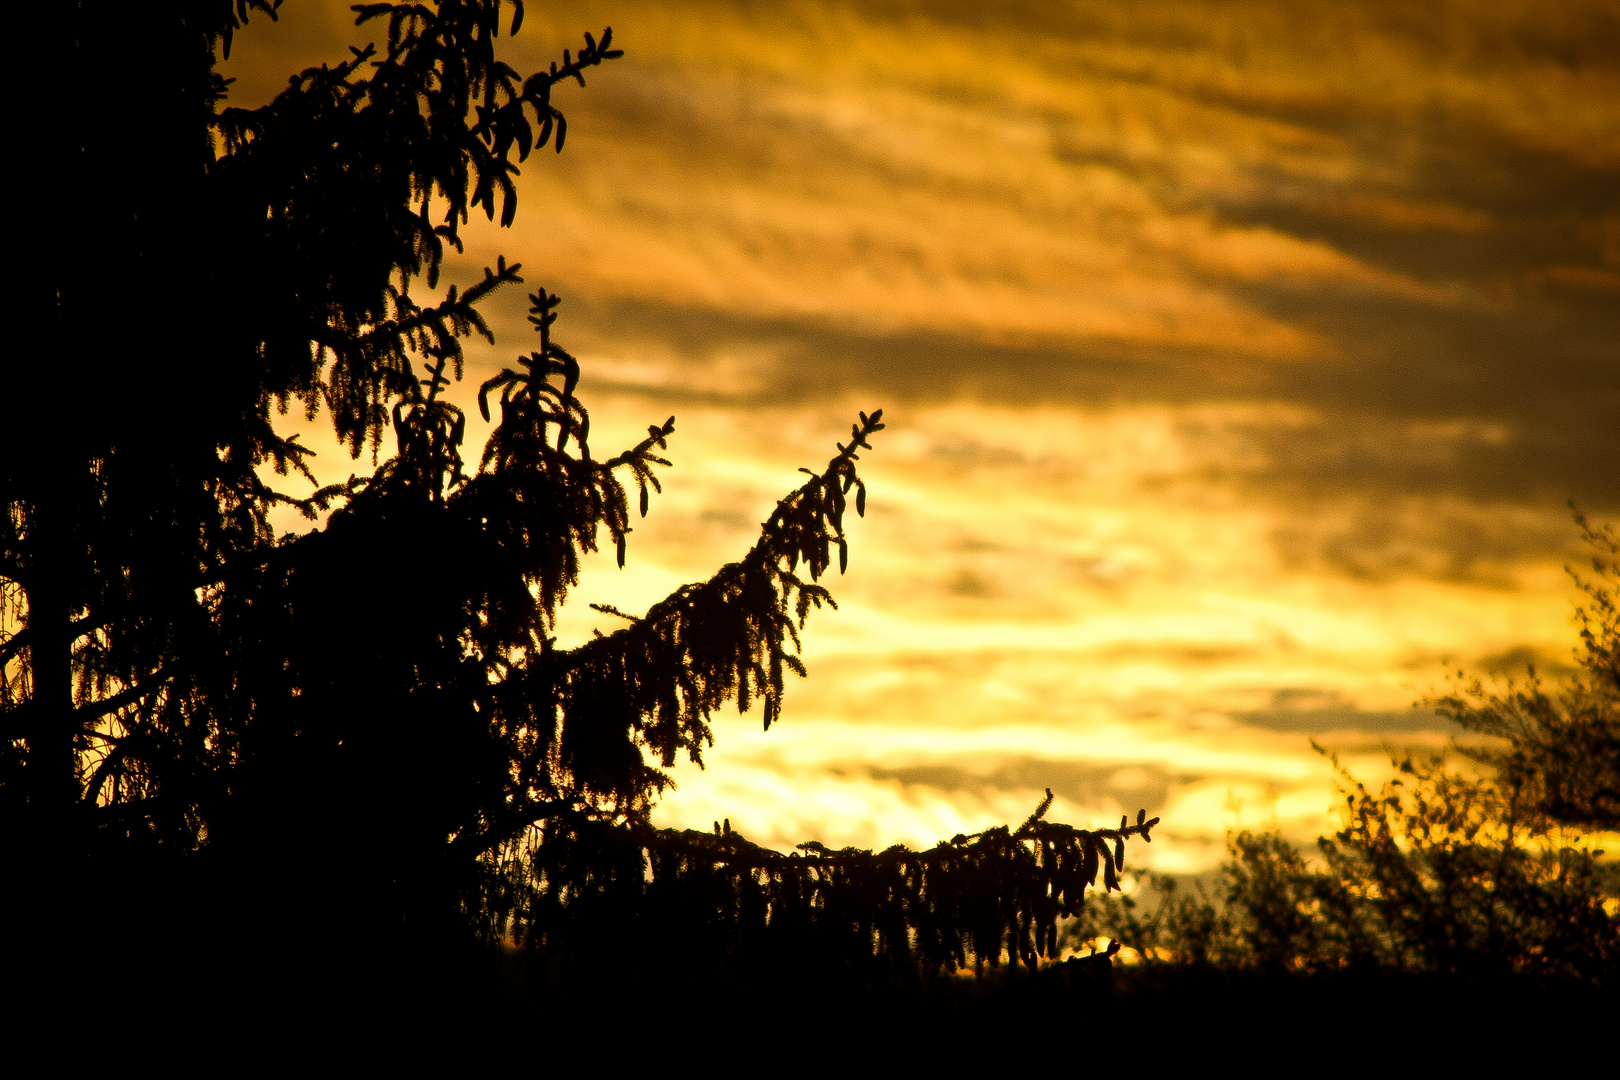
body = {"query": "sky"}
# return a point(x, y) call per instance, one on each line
point(1240, 360)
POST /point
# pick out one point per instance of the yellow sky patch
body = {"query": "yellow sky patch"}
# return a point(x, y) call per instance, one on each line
point(1239, 359)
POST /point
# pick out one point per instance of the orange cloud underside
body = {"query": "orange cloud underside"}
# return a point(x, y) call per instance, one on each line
point(1240, 359)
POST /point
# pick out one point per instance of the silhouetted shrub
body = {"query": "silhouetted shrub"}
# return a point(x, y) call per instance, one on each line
point(1439, 873)
point(1562, 750)
point(1435, 873)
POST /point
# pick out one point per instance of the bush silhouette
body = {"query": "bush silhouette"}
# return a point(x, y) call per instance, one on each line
point(1478, 881)
point(327, 757)
point(1435, 874)
point(1562, 750)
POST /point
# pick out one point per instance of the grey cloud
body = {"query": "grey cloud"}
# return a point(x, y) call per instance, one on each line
point(1136, 786)
point(1381, 540)
point(1317, 713)
point(1533, 403)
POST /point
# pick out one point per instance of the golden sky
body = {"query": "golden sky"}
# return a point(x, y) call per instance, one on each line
point(1240, 360)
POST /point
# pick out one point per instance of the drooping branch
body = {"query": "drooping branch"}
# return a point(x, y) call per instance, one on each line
point(969, 900)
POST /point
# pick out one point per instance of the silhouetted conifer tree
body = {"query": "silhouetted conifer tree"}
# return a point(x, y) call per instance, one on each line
point(368, 727)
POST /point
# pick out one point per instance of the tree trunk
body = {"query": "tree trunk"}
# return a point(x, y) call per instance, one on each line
point(52, 762)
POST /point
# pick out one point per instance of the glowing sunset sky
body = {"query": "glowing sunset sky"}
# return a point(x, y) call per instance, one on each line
point(1239, 358)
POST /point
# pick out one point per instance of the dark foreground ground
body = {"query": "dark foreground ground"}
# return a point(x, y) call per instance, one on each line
point(284, 1009)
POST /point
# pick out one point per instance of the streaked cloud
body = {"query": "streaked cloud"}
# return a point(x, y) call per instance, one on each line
point(1240, 358)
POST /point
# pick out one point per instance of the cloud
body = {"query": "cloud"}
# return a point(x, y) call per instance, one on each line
point(1239, 359)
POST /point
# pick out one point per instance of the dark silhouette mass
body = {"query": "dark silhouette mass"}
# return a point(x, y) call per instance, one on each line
point(347, 777)
point(305, 775)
